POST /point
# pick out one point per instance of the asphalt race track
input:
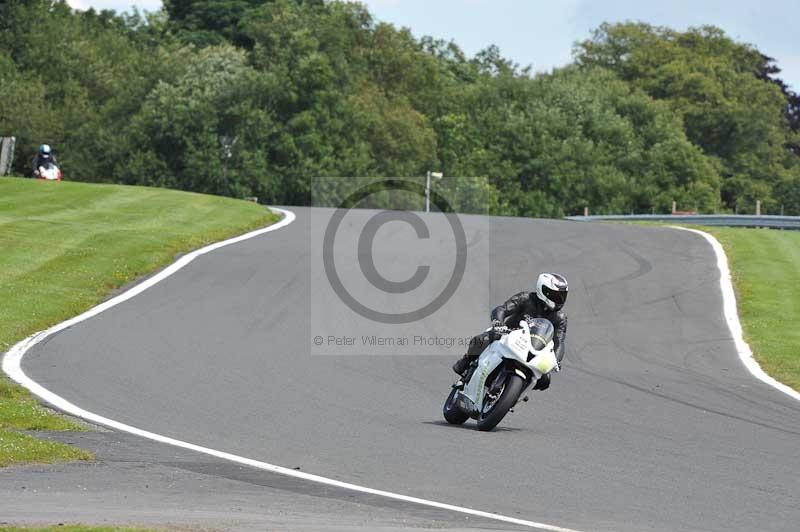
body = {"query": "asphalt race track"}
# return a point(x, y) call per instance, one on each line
point(654, 424)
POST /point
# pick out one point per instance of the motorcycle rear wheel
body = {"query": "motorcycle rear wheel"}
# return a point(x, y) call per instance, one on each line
point(453, 413)
point(512, 389)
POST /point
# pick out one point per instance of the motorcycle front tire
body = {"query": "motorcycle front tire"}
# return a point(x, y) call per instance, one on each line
point(453, 413)
point(513, 388)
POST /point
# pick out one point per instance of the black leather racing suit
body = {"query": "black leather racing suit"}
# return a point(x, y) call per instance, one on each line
point(510, 313)
point(41, 160)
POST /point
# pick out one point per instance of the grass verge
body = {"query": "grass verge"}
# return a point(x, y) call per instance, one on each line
point(20, 448)
point(765, 267)
point(65, 246)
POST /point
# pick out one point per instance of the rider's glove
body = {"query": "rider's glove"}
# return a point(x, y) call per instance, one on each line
point(497, 330)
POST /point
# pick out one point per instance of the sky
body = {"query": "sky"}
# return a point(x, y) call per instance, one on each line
point(541, 33)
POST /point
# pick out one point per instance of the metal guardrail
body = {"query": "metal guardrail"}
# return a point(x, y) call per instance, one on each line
point(728, 220)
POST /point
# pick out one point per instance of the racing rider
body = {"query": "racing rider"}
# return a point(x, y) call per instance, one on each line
point(42, 157)
point(546, 302)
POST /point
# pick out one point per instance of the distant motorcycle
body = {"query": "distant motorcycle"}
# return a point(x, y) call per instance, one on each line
point(502, 374)
point(49, 172)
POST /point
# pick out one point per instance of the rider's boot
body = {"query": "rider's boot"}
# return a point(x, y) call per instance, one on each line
point(462, 365)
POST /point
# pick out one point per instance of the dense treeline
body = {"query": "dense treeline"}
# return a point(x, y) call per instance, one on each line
point(256, 97)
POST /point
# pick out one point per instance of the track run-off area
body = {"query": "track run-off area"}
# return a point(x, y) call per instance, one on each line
point(654, 424)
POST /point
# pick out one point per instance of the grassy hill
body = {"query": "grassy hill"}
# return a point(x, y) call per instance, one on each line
point(64, 247)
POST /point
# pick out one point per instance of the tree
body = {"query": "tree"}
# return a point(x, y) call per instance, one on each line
point(572, 138)
point(186, 129)
point(730, 108)
point(209, 22)
point(768, 71)
point(257, 97)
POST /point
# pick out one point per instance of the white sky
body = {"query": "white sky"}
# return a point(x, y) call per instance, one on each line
point(541, 32)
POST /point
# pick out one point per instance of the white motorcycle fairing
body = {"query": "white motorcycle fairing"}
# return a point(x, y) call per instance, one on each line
point(50, 172)
point(515, 346)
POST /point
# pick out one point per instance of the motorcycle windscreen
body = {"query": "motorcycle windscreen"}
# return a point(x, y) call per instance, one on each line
point(541, 333)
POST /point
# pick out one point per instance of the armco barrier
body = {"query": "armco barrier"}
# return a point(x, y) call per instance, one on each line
point(729, 220)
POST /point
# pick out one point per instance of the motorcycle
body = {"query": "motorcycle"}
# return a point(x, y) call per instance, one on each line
point(503, 374)
point(49, 172)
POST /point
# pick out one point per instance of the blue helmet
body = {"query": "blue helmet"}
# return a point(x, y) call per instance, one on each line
point(45, 149)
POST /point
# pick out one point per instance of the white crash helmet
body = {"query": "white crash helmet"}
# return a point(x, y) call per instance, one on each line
point(552, 289)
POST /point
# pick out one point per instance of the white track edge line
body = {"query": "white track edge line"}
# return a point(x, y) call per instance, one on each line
point(12, 366)
point(732, 316)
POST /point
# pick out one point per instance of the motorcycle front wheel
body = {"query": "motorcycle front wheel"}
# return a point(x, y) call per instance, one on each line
point(453, 413)
point(495, 407)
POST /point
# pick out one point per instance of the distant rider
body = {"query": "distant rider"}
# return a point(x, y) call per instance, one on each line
point(42, 158)
point(546, 302)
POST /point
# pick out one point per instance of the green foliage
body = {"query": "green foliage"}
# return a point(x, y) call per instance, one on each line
point(209, 22)
point(308, 88)
point(570, 139)
point(75, 89)
point(729, 108)
point(195, 130)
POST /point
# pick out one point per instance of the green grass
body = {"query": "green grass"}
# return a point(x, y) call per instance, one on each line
point(73, 528)
point(18, 410)
point(18, 448)
point(65, 246)
point(765, 267)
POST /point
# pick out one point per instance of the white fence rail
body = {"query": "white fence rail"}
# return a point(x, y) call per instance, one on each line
point(729, 220)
